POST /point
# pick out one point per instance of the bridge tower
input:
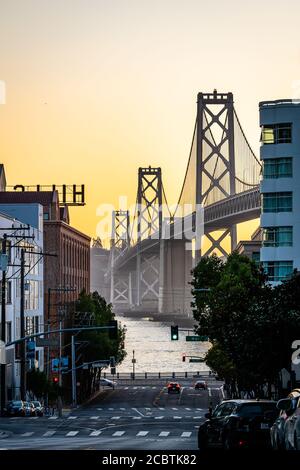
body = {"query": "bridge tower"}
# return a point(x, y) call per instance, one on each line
point(120, 285)
point(215, 157)
point(149, 225)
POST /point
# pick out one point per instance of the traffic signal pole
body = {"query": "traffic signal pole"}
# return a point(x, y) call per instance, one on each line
point(74, 391)
point(3, 326)
point(22, 328)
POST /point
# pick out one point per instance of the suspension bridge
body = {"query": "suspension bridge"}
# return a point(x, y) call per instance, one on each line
point(154, 250)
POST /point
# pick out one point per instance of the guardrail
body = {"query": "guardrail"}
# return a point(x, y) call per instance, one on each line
point(157, 375)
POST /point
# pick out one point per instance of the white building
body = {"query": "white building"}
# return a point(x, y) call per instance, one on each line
point(280, 187)
point(34, 316)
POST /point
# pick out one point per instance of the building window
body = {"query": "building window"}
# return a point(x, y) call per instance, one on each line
point(31, 295)
point(278, 270)
point(276, 133)
point(278, 236)
point(278, 168)
point(46, 215)
point(277, 202)
point(8, 332)
point(256, 257)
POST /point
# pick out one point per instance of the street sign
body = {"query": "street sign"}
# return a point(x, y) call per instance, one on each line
point(3, 262)
point(55, 365)
point(196, 338)
point(196, 359)
point(46, 342)
point(30, 353)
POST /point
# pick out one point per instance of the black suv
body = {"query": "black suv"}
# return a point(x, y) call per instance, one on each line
point(238, 424)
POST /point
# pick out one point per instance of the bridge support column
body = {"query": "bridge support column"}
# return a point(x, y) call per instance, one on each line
point(233, 237)
point(174, 277)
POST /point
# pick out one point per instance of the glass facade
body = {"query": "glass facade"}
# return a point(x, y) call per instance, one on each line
point(278, 168)
point(278, 236)
point(278, 270)
point(276, 133)
point(277, 202)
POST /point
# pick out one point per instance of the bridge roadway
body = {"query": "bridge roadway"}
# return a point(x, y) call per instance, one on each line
point(222, 214)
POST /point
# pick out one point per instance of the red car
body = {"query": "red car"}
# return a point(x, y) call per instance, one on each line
point(174, 387)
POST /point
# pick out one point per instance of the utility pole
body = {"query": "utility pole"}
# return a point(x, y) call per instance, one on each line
point(133, 365)
point(22, 328)
point(3, 325)
point(74, 391)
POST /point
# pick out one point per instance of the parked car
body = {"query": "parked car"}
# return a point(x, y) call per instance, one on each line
point(39, 409)
point(291, 430)
point(278, 434)
point(238, 424)
point(174, 387)
point(200, 385)
point(15, 408)
point(29, 408)
point(107, 383)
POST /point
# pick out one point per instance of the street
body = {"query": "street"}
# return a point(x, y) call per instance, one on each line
point(129, 417)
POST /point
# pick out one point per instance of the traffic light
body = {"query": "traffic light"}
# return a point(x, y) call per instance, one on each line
point(112, 361)
point(113, 332)
point(55, 380)
point(183, 357)
point(174, 333)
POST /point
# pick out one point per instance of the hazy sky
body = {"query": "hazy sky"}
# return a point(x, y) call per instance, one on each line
point(96, 88)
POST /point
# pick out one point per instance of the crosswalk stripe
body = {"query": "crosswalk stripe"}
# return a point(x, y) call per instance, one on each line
point(197, 417)
point(175, 409)
point(115, 417)
point(49, 433)
point(177, 417)
point(53, 417)
point(72, 417)
point(126, 388)
point(142, 433)
point(99, 409)
point(188, 409)
point(94, 417)
point(154, 388)
point(118, 433)
point(161, 408)
point(27, 434)
point(34, 417)
point(158, 417)
point(137, 417)
point(122, 409)
point(72, 433)
point(95, 433)
point(199, 409)
point(143, 388)
point(111, 409)
point(186, 434)
point(134, 388)
point(164, 434)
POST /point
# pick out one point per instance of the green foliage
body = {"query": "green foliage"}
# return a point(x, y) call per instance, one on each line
point(37, 383)
point(250, 324)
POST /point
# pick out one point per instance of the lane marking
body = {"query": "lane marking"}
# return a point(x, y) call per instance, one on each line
point(115, 417)
point(175, 409)
point(199, 409)
point(154, 388)
point(27, 434)
point(49, 433)
point(33, 417)
point(177, 417)
point(142, 433)
point(94, 417)
point(126, 388)
point(99, 409)
point(123, 409)
point(72, 433)
point(136, 417)
point(188, 409)
point(139, 412)
point(209, 391)
point(158, 417)
point(53, 417)
point(197, 417)
point(110, 409)
point(118, 433)
point(95, 433)
point(186, 434)
point(72, 417)
point(164, 434)
point(161, 409)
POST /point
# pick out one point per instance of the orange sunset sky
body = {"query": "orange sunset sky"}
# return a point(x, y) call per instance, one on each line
point(97, 88)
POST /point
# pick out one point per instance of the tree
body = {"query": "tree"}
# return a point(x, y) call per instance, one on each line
point(37, 383)
point(98, 344)
point(250, 324)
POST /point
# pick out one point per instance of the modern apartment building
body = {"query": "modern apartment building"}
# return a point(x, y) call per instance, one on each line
point(280, 187)
point(23, 220)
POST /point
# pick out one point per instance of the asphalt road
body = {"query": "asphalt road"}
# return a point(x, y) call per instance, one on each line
point(129, 417)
